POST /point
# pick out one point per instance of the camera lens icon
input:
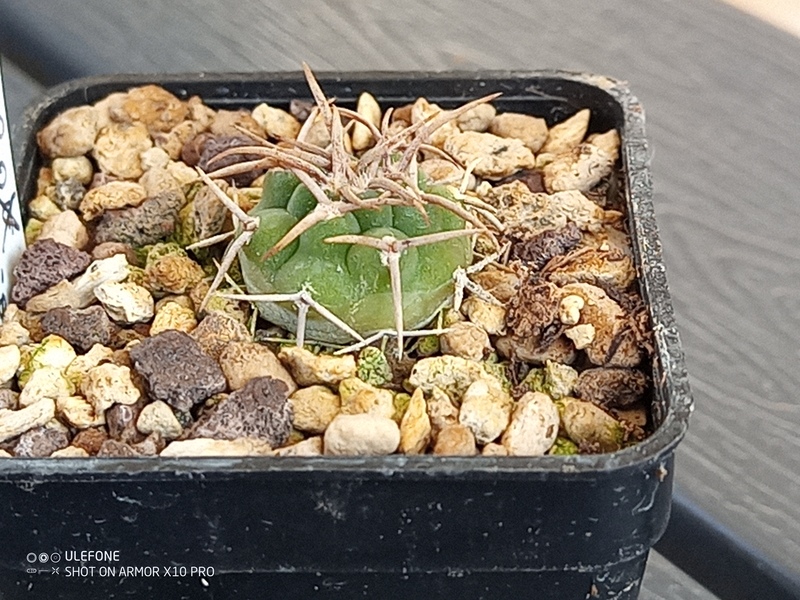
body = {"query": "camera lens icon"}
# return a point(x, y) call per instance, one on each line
point(43, 557)
point(31, 558)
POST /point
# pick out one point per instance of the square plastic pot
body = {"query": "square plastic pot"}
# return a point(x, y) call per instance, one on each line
point(565, 527)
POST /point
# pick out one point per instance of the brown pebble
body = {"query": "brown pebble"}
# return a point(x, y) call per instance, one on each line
point(41, 441)
point(82, 328)
point(109, 249)
point(176, 369)
point(91, 439)
point(259, 410)
point(115, 449)
point(121, 422)
point(150, 222)
point(455, 440)
point(44, 264)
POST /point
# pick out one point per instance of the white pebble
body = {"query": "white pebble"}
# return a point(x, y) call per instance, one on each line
point(126, 302)
point(361, 435)
point(534, 426)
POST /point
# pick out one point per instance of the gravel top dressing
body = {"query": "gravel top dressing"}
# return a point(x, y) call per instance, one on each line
point(323, 280)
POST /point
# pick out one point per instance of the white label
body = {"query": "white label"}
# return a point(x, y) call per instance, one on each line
point(12, 241)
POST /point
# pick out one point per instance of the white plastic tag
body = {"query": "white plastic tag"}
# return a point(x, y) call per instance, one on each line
point(12, 240)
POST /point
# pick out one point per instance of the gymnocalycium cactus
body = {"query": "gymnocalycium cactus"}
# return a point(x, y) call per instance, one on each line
point(363, 240)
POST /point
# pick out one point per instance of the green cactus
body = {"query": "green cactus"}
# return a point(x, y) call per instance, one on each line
point(363, 240)
point(348, 279)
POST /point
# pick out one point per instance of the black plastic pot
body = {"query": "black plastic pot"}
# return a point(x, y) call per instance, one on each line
point(391, 527)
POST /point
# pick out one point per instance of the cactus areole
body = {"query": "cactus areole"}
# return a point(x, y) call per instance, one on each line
point(351, 280)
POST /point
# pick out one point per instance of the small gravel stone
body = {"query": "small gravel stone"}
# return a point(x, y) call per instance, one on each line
point(313, 446)
point(361, 435)
point(152, 445)
point(172, 273)
point(172, 316)
point(176, 370)
point(118, 147)
point(153, 106)
point(209, 447)
point(439, 171)
point(415, 427)
point(566, 135)
point(70, 452)
point(42, 441)
point(494, 450)
point(532, 131)
point(589, 426)
point(500, 157)
point(9, 363)
point(13, 333)
point(308, 368)
point(114, 268)
point(157, 417)
point(466, 340)
point(451, 374)
point(244, 361)
point(216, 331)
point(65, 228)
point(43, 264)
point(60, 295)
point(611, 387)
point(277, 123)
point(116, 449)
point(150, 222)
point(9, 399)
point(47, 382)
point(490, 317)
point(314, 408)
point(208, 212)
point(78, 412)
point(359, 397)
point(218, 144)
point(373, 366)
point(126, 302)
point(455, 440)
point(90, 440)
point(370, 110)
point(441, 410)
point(534, 426)
point(121, 422)
point(43, 208)
point(71, 133)
point(539, 249)
point(581, 169)
point(111, 196)
point(229, 122)
point(82, 328)
point(109, 384)
point(52, 351)
point(477, 119)
point(260, 410)
point(68, 194)
point(109, 249)
point(500, 283)
point(180, 299)
point(17, 422)
point(78, 368)
point(78, 168)
point(486, 409)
